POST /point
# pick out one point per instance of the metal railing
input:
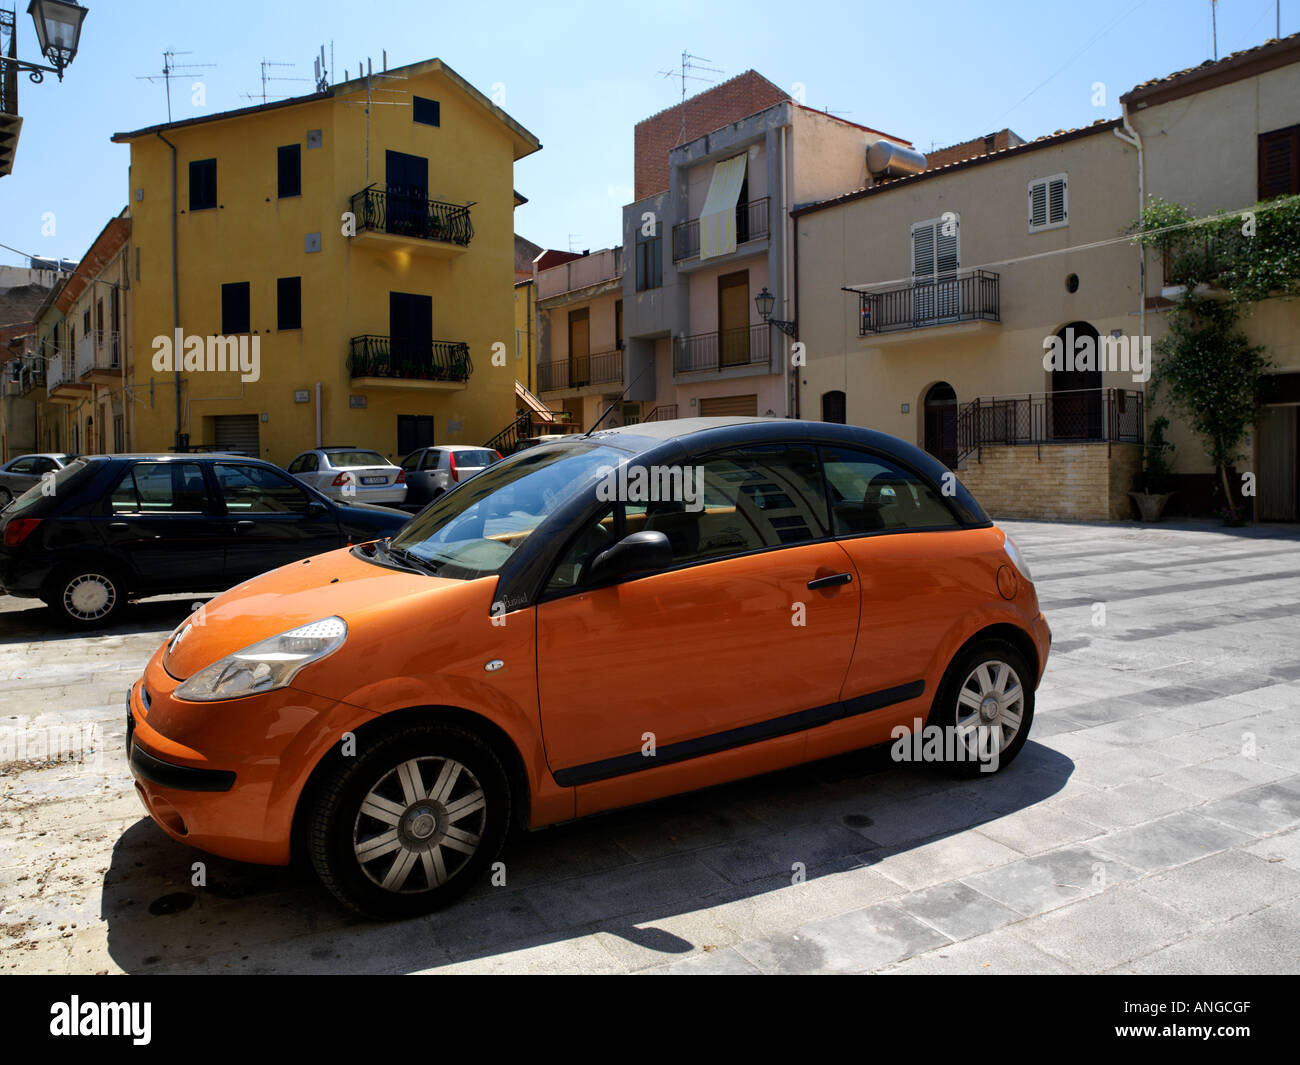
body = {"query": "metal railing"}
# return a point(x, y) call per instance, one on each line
point(959, 298)
point(751, 224)
point(1088, 415)
point(437, 360)
point(55, 374)
point(719, 351)
point(665, 412)
point(583, 272)
point(380, 209)
point(527, 424)
point(578, 371)
point(101, 350)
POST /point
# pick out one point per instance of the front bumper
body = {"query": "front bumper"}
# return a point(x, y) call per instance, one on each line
point(226, 777)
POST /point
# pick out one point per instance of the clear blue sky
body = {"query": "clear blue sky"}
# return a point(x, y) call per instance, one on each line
point(581, 74)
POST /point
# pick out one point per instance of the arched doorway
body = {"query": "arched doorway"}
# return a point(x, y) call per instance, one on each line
point(834, 407)
point(941, 423)
point(1075, 411)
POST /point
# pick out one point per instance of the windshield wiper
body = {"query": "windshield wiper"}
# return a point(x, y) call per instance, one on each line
point(411, 561)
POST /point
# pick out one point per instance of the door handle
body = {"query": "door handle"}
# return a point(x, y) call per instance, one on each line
point(118, 525)
point(830, 582)
point(240, 526)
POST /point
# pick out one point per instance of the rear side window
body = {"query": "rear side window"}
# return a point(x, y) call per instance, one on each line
point(23, 465)
point(251, 490)
point(161, 488)
point(869, 493)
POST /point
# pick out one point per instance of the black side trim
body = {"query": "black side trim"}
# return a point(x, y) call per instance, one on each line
point(623, 764)
point(180, 777)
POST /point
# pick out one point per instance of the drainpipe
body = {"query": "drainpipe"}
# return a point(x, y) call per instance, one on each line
point(785, 275)
point(319, 439)
point(1132, 137)
point(176, 298)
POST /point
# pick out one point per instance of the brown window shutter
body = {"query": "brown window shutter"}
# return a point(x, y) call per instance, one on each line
point(1279, 163)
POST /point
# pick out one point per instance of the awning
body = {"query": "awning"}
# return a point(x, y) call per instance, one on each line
point(718, 219)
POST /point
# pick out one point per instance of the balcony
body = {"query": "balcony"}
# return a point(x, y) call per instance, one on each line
point(394, 362)
point(973, 296)
point(1082, 416)
point(99, 358)
point(705, 352)
point(62, 384)
point(751, 224)
point(391, 219)
point(580, 371)
point(583, 273)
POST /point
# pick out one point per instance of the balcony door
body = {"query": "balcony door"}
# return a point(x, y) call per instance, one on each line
point(410, 332)
point(936, 260)
point(1076, 407)
point(580, 347)
point(407, 180)
point(733, 319)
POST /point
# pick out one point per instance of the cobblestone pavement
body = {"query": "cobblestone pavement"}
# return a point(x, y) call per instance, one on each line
point(1152, 823)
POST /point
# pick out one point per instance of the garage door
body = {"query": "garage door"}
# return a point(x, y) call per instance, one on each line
point(729, 407)
point(237, 432)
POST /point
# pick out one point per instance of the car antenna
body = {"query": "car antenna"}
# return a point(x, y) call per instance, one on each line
point(615, 403)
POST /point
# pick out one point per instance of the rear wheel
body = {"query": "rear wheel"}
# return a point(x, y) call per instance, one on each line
point(87, 596)
point(410, 822)
point(985, 706)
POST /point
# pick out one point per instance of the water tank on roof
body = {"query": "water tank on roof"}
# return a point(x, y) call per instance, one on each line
point(888, 160)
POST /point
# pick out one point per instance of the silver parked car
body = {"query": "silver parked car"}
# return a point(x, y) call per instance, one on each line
point(20, 474)
point(351, 475)
point(430, 471)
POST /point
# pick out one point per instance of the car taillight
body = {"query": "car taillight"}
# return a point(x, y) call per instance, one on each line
point(452, 456)
point(342, 479)
point(19, 529)
point(401, 477)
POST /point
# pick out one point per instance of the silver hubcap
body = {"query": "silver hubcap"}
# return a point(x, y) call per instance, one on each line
point(89, 596)
point(994, 698)
point(420, 825)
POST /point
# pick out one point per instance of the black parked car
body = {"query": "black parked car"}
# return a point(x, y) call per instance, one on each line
point(122, 526)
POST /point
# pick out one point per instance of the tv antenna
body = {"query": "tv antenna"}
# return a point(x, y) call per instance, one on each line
point(690, 64)
point(269, 65)
point(172, 70)
point(366, 71)
point(574, 239)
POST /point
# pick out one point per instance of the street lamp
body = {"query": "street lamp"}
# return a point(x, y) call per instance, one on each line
point(58, 31)
point(765, 301)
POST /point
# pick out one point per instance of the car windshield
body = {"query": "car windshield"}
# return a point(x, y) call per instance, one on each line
point(345, 459)
point(471, 531)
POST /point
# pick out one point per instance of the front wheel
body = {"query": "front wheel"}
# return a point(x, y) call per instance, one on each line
point(411, 821)
point(984, 707)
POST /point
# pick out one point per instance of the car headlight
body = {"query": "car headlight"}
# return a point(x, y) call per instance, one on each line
point(264, 666)
point(1018, 560)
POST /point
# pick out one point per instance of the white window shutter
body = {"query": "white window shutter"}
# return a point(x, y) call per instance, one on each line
point(947, 254)
point(1037, 204)
point(923, 250)
point(1056, 201)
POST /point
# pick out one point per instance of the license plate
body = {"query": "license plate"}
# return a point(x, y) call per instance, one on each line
point(374, 480)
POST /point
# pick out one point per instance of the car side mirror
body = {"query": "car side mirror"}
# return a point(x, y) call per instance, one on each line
point(637, 552)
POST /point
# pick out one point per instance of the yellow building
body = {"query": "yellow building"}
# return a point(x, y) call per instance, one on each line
point(329, 272)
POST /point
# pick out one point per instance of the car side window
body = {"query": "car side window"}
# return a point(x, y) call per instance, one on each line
point(871, 494)
point(412, 461)
point(41, 464)
point(250, 490)
point(297, 465)
point(23, 465)
point(161, 488)
point(434, 460)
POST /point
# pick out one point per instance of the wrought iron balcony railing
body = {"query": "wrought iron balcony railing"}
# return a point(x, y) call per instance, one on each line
point(719, 351)
point(578, 371)
point(751, 224)
point(1081, 416)
point(396, 357)
point(958, 298)
point(379, 209)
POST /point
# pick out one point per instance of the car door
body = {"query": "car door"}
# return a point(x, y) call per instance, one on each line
point(270, 520)
point(162, 520)
point(907, 549)
point(747, 637)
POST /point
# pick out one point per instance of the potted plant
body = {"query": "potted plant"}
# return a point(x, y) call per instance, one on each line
point(1153, 491)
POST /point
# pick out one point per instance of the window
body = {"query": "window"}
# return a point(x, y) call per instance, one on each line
point(649, 260)
point(23, 465)
point(257, 490)
point(871, 494)
point(414, 431)
point(425, 111)
point(161, 487)
point(235, 313)
point(350, 460)
point(1047, 203)
point(307, 463)
point(289, 170)
point(936, 259)
point(288, 303)
point(1279, 163)
point(85, 322)
point(203, 184)
point(412, 461)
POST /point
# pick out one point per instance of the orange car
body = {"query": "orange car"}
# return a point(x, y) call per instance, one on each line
point(594, 622)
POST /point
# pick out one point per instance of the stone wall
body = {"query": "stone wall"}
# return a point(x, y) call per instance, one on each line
point(1067, 482)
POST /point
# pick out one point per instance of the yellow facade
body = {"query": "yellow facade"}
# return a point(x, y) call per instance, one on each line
point(253, 235)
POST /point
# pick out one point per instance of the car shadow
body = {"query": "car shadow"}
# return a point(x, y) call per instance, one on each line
point(30, 619)
point(170, 908)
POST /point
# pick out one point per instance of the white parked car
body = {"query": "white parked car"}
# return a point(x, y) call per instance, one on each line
point(351, 475)
point(430, 471)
